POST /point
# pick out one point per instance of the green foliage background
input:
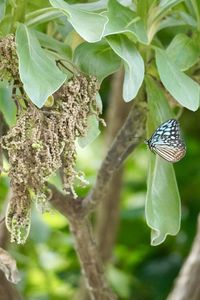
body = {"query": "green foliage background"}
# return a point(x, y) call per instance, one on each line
point(47, 262)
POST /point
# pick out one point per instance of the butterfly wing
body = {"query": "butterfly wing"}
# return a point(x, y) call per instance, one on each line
point(167, 142)
point(169, 153)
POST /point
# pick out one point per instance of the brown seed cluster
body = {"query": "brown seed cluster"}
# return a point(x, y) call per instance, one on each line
point(43, 141)
point(8, 59)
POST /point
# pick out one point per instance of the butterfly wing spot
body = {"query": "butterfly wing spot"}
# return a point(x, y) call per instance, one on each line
point(167, 142)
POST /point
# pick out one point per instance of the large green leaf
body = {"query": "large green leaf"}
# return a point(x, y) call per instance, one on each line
point(122, 19)
point(39, 74)
point(7, 105)
point(162, 208)
point(133, 64)
point(88, 24)
point(185, 90)
point(183, 51)
point(97, 59)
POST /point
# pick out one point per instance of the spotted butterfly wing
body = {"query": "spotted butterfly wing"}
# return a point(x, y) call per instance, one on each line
point(167, 142)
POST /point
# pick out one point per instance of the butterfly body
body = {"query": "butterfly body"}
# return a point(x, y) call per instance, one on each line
point(167, 142)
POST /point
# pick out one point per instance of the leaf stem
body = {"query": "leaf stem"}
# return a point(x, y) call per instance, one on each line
point(59, 62)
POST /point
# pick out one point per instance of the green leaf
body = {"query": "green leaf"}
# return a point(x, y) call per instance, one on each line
point(7, 105)
point(42, 15)
point(51, 43)
point(162, 208)
point(163, 202)
point(165, 5)
point(97, 59)
point(185, 90)
point(93, 6)
point(133, 64)
point(39, 74)
point(178, 19)
point(183, 51)
point(88, 24)
point(188, 19)
point(122, 19)
point(2, 9)
point(92, 132)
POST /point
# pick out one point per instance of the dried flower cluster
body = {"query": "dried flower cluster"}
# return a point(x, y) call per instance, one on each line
point(8, 59)
point(41, 142)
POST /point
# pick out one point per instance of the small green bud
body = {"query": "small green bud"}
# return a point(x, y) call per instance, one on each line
point(37, 146)
point(49, 102)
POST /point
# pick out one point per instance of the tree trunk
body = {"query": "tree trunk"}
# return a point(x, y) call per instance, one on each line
point(187, 284)
point(109, 210)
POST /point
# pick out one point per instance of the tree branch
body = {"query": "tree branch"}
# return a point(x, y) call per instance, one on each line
point(90, 261)
point(107, 215)
point(86, 248)
point(128, 138)
point(187, 284)
point(109, 210)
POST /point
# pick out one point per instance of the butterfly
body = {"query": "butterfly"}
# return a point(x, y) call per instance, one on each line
point(167, 142)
